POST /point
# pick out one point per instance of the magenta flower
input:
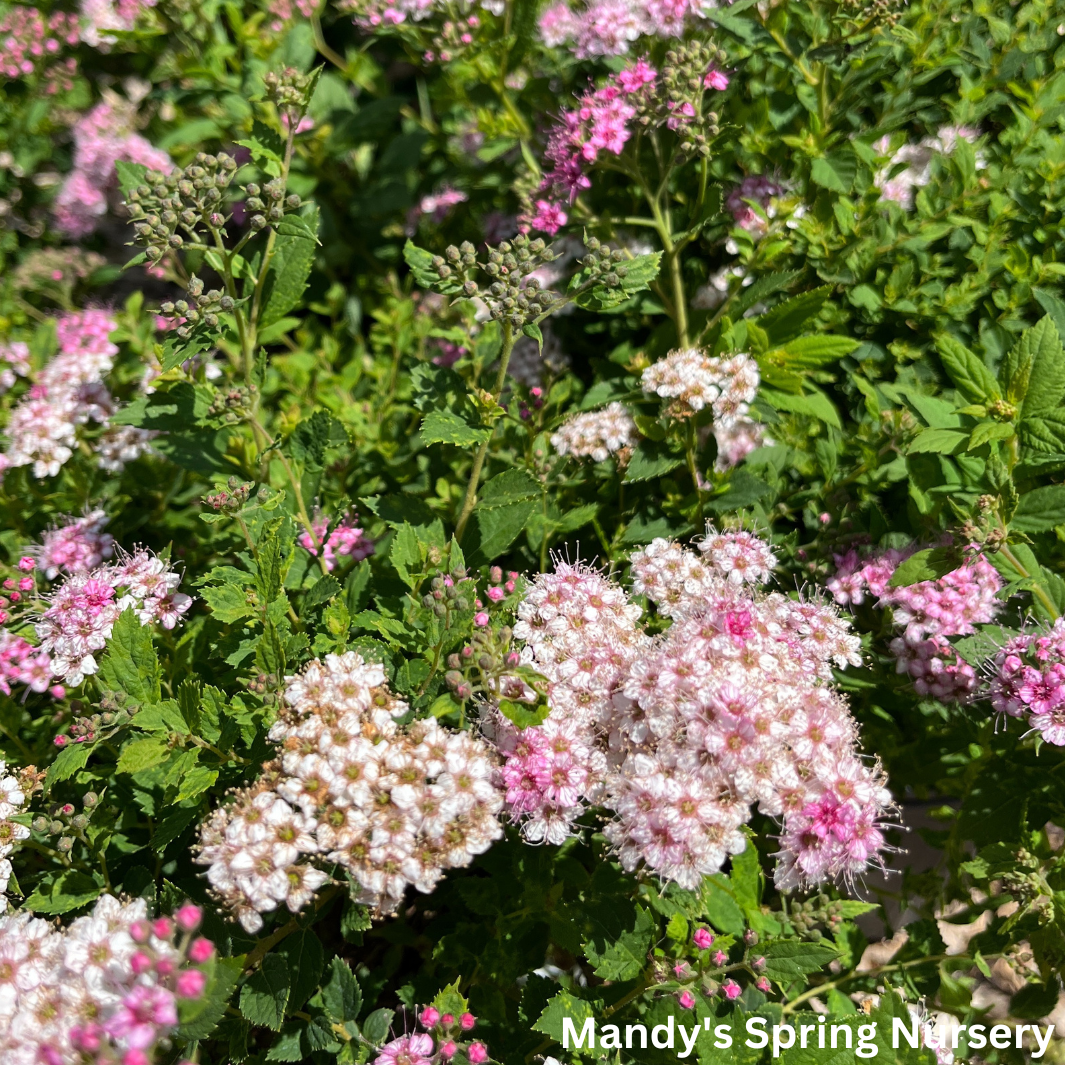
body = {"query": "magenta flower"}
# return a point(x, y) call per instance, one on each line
point(142, 1012)
point(409, 1050)
point(702, 938)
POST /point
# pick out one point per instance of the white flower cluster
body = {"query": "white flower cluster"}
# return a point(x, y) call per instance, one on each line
point(681, 735)
point(916, 162)
point(394, 806)
point(692, 380)
point(69, 392)
point(12, 799)
point(104, 990)
point(82, 611)
point(598, 434)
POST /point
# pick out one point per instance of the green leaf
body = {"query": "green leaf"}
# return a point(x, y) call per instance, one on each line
point(294, 249)
point(341, 995)
point(130, 176)
point(1046, 385)
point(199, 1017)
point(817, 350)
point(425, 274)
point(165, 716)
point(532, 330)
point(988, 431)
point(375, 1027)
point(446, 427)
point(264, 997)
point(814, 404)
point(1052, 305)
point(196, 781)
point(522, 714)
point(177, 350)
point(302, 952)
point(927, 565)
point(639, 273)
point(511, 486)
point(313, 437)
point(143, 753)
point(321, 591)
point(130, 664)
point(1040, 510)
point(970, 376)
point(67, 763)
point(791, 958)
point(784, 321)
point(405, 554)
point(69, 891)
point(720, 905)
point(939, 442)
point(500, 527)
point(650, 461)
point(835, 171)
point(562, 1006)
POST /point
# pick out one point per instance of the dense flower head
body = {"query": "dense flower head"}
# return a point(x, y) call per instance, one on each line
point(756, 189)
point(23, 663)
point(927, 612)
point(610, 27)
point(598, 434)
point(376, 15)
point(31, 46)
point(102, 138)
point(14, 363)
point(102, 990)
point(736, 439)
point(346, 538)
point(681, 735)
point(81, 612)
point(1028, 681)
point(691, 380)
point(910, 166)
point(13, 796)
point(393, 805)
point(77, 546)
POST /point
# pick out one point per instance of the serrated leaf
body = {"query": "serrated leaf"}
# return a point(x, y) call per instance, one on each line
point(985, 432)
point(623, 958)
point(650, 461)
point(228, 602)
point(447, 427)
point(500, 526)
point(143, 753)
point(130, 176)
point(563, 1006)
point(199, 1017)
point(1040, 509)
point(375, 1027)
point(341, 995)
point(814, 405)
point(791, 958)
point(264, 998)
point(927, 565)
point(67, 763)
point(68, 891)
point(425, 274)
point(130, 664)
point(784, 321)
point(817, 350)
point(321, 591)
point(510, 486)
point(294, 250)
point(522, 714)
point(970, 376)
point(835, 171)
point(939, 442)
point(405, 554)
point(302, 952)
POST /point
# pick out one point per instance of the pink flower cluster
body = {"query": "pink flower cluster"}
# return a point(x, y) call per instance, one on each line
point(13, 795)
point(284, 11)
point(1029, 681)
point(22, 663)
point(393, 806)
point(68, 392)
point(101, 18)
point(16, 358)
point(753, 190)
point(445, 1036)
point(929, 611)
point(104, 990)
point(81, 612)
point(346, 538)
point(681, 734)
point(372, 14)
point(30, 45)
point(435, 207)
point(102, 138)
point(910, 166)
point(598, 434)
point(609, 27)
point(77, 546)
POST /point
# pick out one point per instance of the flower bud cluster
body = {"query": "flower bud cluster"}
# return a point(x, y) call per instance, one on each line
point(393, 806)
point(807, 917)
point(453, 39)
point(692, 380)
point(104, 990)
point(66, 821)
point(598, 434)
point(290, 92)
point(689, 71)
point(682, 734)
point(706, 963)
point(200, 306)
point(513, 294)
point(230, 498)
point(1029, 681)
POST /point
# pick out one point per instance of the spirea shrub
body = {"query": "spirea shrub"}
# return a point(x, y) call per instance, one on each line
point(517, 513)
